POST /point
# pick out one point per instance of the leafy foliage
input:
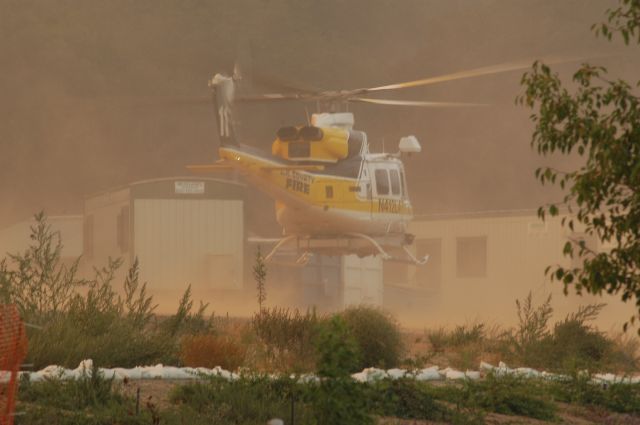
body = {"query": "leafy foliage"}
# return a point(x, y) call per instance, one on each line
point(509, 395)
point(36, 281)
point(532, 329)
point(338, 352)
point(377, 335)
point(90, 399)
point(251, 399)
point(406, 399)
point(338, 399)
point(87, 318)
point(579, 389)
point(600, 122)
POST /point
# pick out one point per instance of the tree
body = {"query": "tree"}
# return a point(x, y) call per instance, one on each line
point(600, 121)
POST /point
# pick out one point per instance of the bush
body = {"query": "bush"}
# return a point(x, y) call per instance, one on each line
point(209, 351)
point(86, 318)
point(569, 345)
point(377, 335)
point(248, 400)
point(573, 345)
point(338, 399)
point(406, 399)
point(90, 399)
point(509, 395)
point(288, 337)
point(580, 389)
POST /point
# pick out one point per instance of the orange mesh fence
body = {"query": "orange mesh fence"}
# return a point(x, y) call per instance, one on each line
point(13, 348)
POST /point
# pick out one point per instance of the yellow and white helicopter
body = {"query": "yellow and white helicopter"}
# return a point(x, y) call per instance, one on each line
point(332, 195)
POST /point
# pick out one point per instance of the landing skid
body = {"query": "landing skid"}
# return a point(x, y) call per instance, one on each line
point(355, 243)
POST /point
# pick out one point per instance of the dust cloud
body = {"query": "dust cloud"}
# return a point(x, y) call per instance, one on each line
point(88, 89)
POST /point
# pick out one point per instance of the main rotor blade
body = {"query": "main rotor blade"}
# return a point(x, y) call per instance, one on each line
point(478, 72)
point(268, 97)
point(281, 84)
point(420, 103)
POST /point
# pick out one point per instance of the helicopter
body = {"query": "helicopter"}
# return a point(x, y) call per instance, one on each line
point(333, 196)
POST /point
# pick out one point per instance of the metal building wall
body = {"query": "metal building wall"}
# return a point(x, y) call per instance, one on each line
point(189, 241)
point(100, 229)
point(518, 249)
point(362, 280)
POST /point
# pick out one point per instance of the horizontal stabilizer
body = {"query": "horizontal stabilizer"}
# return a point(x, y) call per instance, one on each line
point(294, 167)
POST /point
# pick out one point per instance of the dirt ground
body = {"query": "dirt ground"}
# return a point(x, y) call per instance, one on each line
point(156, 391)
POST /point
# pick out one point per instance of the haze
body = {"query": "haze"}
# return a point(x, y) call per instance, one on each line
point(88, 89)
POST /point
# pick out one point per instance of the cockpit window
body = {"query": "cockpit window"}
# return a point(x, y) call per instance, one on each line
point(382, 182)
point(395, 182)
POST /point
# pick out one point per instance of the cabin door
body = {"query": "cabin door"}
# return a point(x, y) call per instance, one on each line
point(387, 185)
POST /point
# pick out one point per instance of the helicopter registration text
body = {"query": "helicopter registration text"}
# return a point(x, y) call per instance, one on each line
point(389, 205)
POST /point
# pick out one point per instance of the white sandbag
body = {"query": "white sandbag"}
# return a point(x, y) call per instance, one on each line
point(472, 374)
point(396, 373)
point(486, 366)
point(455, 375)
point(428, 374)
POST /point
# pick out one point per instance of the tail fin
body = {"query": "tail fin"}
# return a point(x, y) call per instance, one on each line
point(223, 88)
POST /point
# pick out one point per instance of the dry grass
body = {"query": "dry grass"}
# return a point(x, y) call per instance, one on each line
point(211, 351)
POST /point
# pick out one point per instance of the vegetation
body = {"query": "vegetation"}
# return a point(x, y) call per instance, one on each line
point(377, 335)
point(600, 122)
point(260, 276)
point(509, 395)
point(209, 351)
point(91, 399)
point(287, 337)
point(87, 318)
point(570, 344)
point(90, 319)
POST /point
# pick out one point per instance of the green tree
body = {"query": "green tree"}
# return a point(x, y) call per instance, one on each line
point(338, 399)
point(599, 121)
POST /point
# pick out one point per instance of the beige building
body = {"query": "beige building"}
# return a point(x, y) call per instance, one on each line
point(183, 231)
point(480, 264)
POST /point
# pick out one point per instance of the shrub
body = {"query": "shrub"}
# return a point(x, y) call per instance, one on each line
point(377, 334)
point(580, 389)
point(209, 351)
point(438, 339)
point(338, 352)
point(406, 399)
point(338, 399)
point(248, 400)
point(510, 395)
point(86, 318)
point(90, 399)
point(288, 336)
point(573, 345)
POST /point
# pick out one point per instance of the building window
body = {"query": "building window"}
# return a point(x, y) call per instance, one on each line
point(87, 236)
point(122, 230)
point(429, 276)
point(471, 257)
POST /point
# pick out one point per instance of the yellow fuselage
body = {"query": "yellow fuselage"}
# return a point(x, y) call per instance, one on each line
point(316, 203)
